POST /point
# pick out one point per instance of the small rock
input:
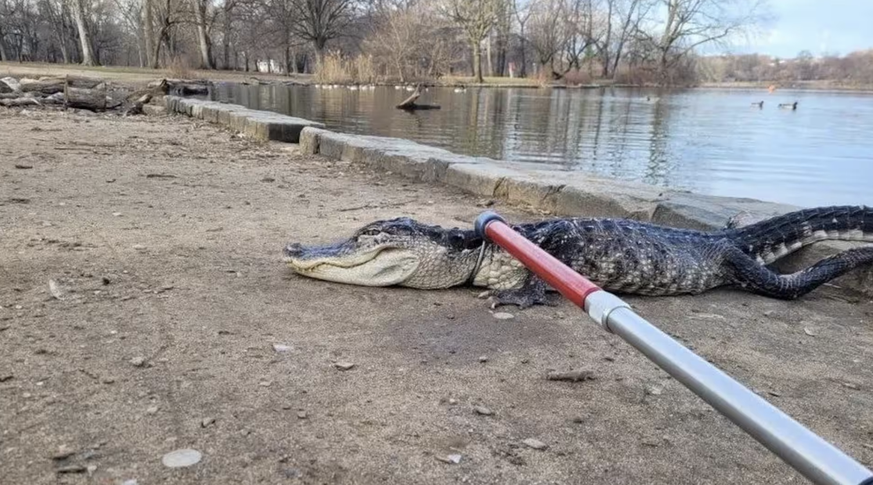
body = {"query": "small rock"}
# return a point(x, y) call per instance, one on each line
point(264, 383)
point(809, 332)
point(72, 469)
point(453, 401)
point(503, 315)
point(482, 410)
point(108, 380)
point(535, 444)
point(139, 247)
point(301, 415)
point(91, 469)
point(21, 166)
point(181, 458)
point(281, 348)
point(5, 377)
point(851, 385)
point(55, 290)
point(63, 453)
point(344, 365)
point(152, 410)
point(206, 422)
point(137, 361)
point(132, 481)
point(774, 393)
point(655, 391)
point(483, 359)
point(116, 214)
point(453, 459)
point(268, 179)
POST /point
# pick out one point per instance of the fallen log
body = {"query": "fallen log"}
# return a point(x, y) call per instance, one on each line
point(411, 99)
point(24, 101)
point(136, 107)
point(10, 95)
point(46, 85)
point(409, 103)
point(11, 83)
point(6, 85)
point(57, 98)
point(83, 82)
point(90, 99)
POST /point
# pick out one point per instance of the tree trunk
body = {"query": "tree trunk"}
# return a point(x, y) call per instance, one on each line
point(202, 41)
point(225, 38)
point(523, 71)
point(148, 34)
point(477, 63)
point(84, 35)
point(604, 73)
point(319, 50)
point(3, 56)
point(92, 98)
point(488, 56)
point(44, 86)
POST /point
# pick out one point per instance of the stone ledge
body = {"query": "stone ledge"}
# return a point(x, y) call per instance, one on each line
point(258, 125)
point(546, 188)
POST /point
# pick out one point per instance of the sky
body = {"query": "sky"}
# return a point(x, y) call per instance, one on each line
point(819, 26)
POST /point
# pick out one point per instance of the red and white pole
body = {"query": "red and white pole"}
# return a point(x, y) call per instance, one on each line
point(809, 454)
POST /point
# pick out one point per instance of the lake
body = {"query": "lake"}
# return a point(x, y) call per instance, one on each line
point(709, 141)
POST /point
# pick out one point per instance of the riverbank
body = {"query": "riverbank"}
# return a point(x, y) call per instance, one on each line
point(137, 77)
point(172, 323)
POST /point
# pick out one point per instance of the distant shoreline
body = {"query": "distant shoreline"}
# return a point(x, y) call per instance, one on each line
point(135, 76)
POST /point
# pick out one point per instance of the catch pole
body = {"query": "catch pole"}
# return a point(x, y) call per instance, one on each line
point(809, 454)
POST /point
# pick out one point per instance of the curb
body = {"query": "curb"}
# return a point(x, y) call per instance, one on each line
point(551, 189)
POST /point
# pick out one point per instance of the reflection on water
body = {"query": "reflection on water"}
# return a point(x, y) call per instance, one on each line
point(707, 141)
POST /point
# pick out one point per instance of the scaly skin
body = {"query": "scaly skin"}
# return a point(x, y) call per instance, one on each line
point(621, 256)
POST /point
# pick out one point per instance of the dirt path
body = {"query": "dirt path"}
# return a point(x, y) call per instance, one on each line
point(164, 238)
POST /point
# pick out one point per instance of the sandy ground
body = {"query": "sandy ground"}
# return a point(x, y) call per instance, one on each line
point(164, 239)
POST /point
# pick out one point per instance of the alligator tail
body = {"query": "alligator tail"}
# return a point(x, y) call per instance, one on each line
point(774, 238)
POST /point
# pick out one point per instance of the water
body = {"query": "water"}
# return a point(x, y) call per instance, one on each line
point(707, 141)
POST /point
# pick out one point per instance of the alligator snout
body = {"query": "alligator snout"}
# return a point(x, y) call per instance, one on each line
point(293, 250)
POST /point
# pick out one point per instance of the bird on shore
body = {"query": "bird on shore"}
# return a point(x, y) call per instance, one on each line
point(791, 106)
point(759, 104)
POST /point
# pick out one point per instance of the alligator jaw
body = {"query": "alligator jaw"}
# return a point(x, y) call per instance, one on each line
point(377, 267)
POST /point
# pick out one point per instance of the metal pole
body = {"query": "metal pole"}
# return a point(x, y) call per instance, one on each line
point(806, 452)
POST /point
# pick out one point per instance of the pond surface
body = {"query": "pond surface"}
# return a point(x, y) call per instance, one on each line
point(707, 141)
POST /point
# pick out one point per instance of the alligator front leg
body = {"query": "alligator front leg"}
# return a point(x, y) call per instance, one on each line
point(532, 292)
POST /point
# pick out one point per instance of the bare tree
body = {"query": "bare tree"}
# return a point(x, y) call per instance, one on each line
point(319, 21)
point(201, 20)
point(547, 33)
point(476, 18)
point(522, 11)
point(690, 24)
point(78, 7)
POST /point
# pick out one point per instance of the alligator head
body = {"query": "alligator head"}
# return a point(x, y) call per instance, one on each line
point(398, 251)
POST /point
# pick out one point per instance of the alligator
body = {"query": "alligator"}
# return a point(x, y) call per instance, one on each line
point(622, 256)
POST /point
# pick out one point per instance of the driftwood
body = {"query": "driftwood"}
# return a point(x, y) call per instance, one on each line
point(10, 95)
point(181, 87)
point(23, 101)
point(83, 82)
point(409, 103)
point(92, 98)
point(44, 85)
point(136, 107)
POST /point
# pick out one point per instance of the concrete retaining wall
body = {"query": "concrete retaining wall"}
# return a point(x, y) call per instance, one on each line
point(547, 188)
point(259, 125)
